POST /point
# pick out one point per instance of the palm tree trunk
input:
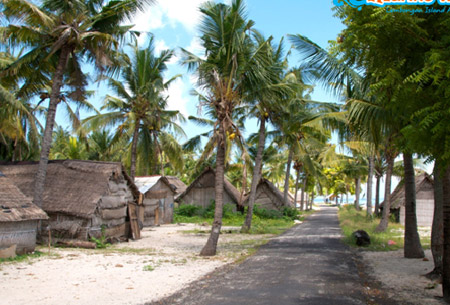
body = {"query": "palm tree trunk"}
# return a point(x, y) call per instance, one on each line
point(211, 245)
point(412, 247)
point(134, 151)
point(377, 195)
point(302, 203)
point(296, 187)
point(312, 201)
point(437, 231)
point(286, 179)
point(57, 83)
point(382, 226)
point(369, 185)
point(256, 176)
point(357, 193)
point(446, 216)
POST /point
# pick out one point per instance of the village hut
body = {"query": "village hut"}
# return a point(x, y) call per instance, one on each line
point(424, 201)
point(269, 197)
point(83, 199)
point(18, 218)
point(158, 199)
point(201, 192)
point(177, 184)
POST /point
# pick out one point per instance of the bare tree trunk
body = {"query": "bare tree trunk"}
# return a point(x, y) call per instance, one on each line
point(210, 248)
point(377, 195)
point(302, 203)
point(296, 187)
point(437, 231)
point(286, 179)
point(134, 151)
point(369, 185)
point(412, 247)
point(57, 83)
point(357, 193)
point(256, 176)
point(446, 215)
point(382, 226)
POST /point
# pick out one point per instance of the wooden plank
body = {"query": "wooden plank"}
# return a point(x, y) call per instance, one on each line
point(135, 231)
point(156, 194)
point(157, 216)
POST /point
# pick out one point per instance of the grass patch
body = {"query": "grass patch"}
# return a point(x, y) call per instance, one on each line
point(392, 239)
point(25, 257)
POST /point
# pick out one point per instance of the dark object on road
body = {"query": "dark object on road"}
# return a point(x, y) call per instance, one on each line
point(362, 238)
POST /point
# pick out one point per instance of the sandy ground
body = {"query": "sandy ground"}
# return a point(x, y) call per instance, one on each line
point(402, 279)
point(162, 262)
point(166, 260)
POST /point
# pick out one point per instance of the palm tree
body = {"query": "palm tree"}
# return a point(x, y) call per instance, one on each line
point(231, 65)
point(139, 110)
point(63, 33)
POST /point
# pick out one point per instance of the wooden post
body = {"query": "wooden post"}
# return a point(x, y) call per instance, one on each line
point(157, 216)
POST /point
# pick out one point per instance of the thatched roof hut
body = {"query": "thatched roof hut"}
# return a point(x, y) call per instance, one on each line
point(18, 218)
point(424, 201)
point(176, 183)
point(158, 199)
point(202, 191)
point(269, 197)
point(83, 199)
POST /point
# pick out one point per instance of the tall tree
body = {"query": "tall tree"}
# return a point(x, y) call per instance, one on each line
point(64, 33)
point(231, 64)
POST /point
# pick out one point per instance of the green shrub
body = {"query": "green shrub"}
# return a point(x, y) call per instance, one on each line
point(291, 213)
point(266, 214)
point(188, 210)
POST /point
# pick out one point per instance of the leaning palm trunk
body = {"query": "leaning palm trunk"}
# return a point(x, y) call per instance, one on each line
point(134, 151)
point(446, 215)
point(286, 179)
point(302, 203)
point(369, 186)
point(437, 231)
point(412, 247)
point(50, 121)
point(211, 245)
point(357, 193)
point(382, 226)
point(256, 176)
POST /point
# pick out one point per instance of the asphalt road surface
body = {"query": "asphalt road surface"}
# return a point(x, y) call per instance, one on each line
point(306, 265)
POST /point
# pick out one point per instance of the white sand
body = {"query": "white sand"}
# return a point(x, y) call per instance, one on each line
point(162, 262)
point(403, 278)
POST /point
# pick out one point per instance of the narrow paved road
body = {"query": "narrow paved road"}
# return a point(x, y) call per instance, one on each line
point(306, 265)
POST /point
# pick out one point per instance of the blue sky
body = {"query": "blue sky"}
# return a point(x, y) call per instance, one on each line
point(174, 24)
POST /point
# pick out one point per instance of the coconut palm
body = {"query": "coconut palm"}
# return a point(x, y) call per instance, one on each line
point(139, 110)
point(231, 65)
point(62, 33)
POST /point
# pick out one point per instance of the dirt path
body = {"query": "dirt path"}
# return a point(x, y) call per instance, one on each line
point(306, 265)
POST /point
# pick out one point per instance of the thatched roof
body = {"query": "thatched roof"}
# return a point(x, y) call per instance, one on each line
point(72, 187)
point(398, 195)
point(279, 195)
point(228, 187)
point(179, 185)
point(14, 205)
point(144, 184)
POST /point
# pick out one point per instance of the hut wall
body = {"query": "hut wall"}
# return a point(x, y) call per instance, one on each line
point(265, 199)
point(204, 196)
point(20, 233)
point(424, 213)
point(160, 195)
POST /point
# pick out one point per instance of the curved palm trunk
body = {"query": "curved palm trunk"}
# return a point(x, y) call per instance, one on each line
point(57, 83)
point(256, 176)
point(412, 247)
point(377, 195)
point(211, 245)
point(369, 186)
point(437, 230)
point(286, 179)
point(357, 193)
point(382, 226)
point(134, 151)
point(446, 215)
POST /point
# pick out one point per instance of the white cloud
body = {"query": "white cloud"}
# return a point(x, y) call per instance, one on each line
point(171, 12)
point(178, 97)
